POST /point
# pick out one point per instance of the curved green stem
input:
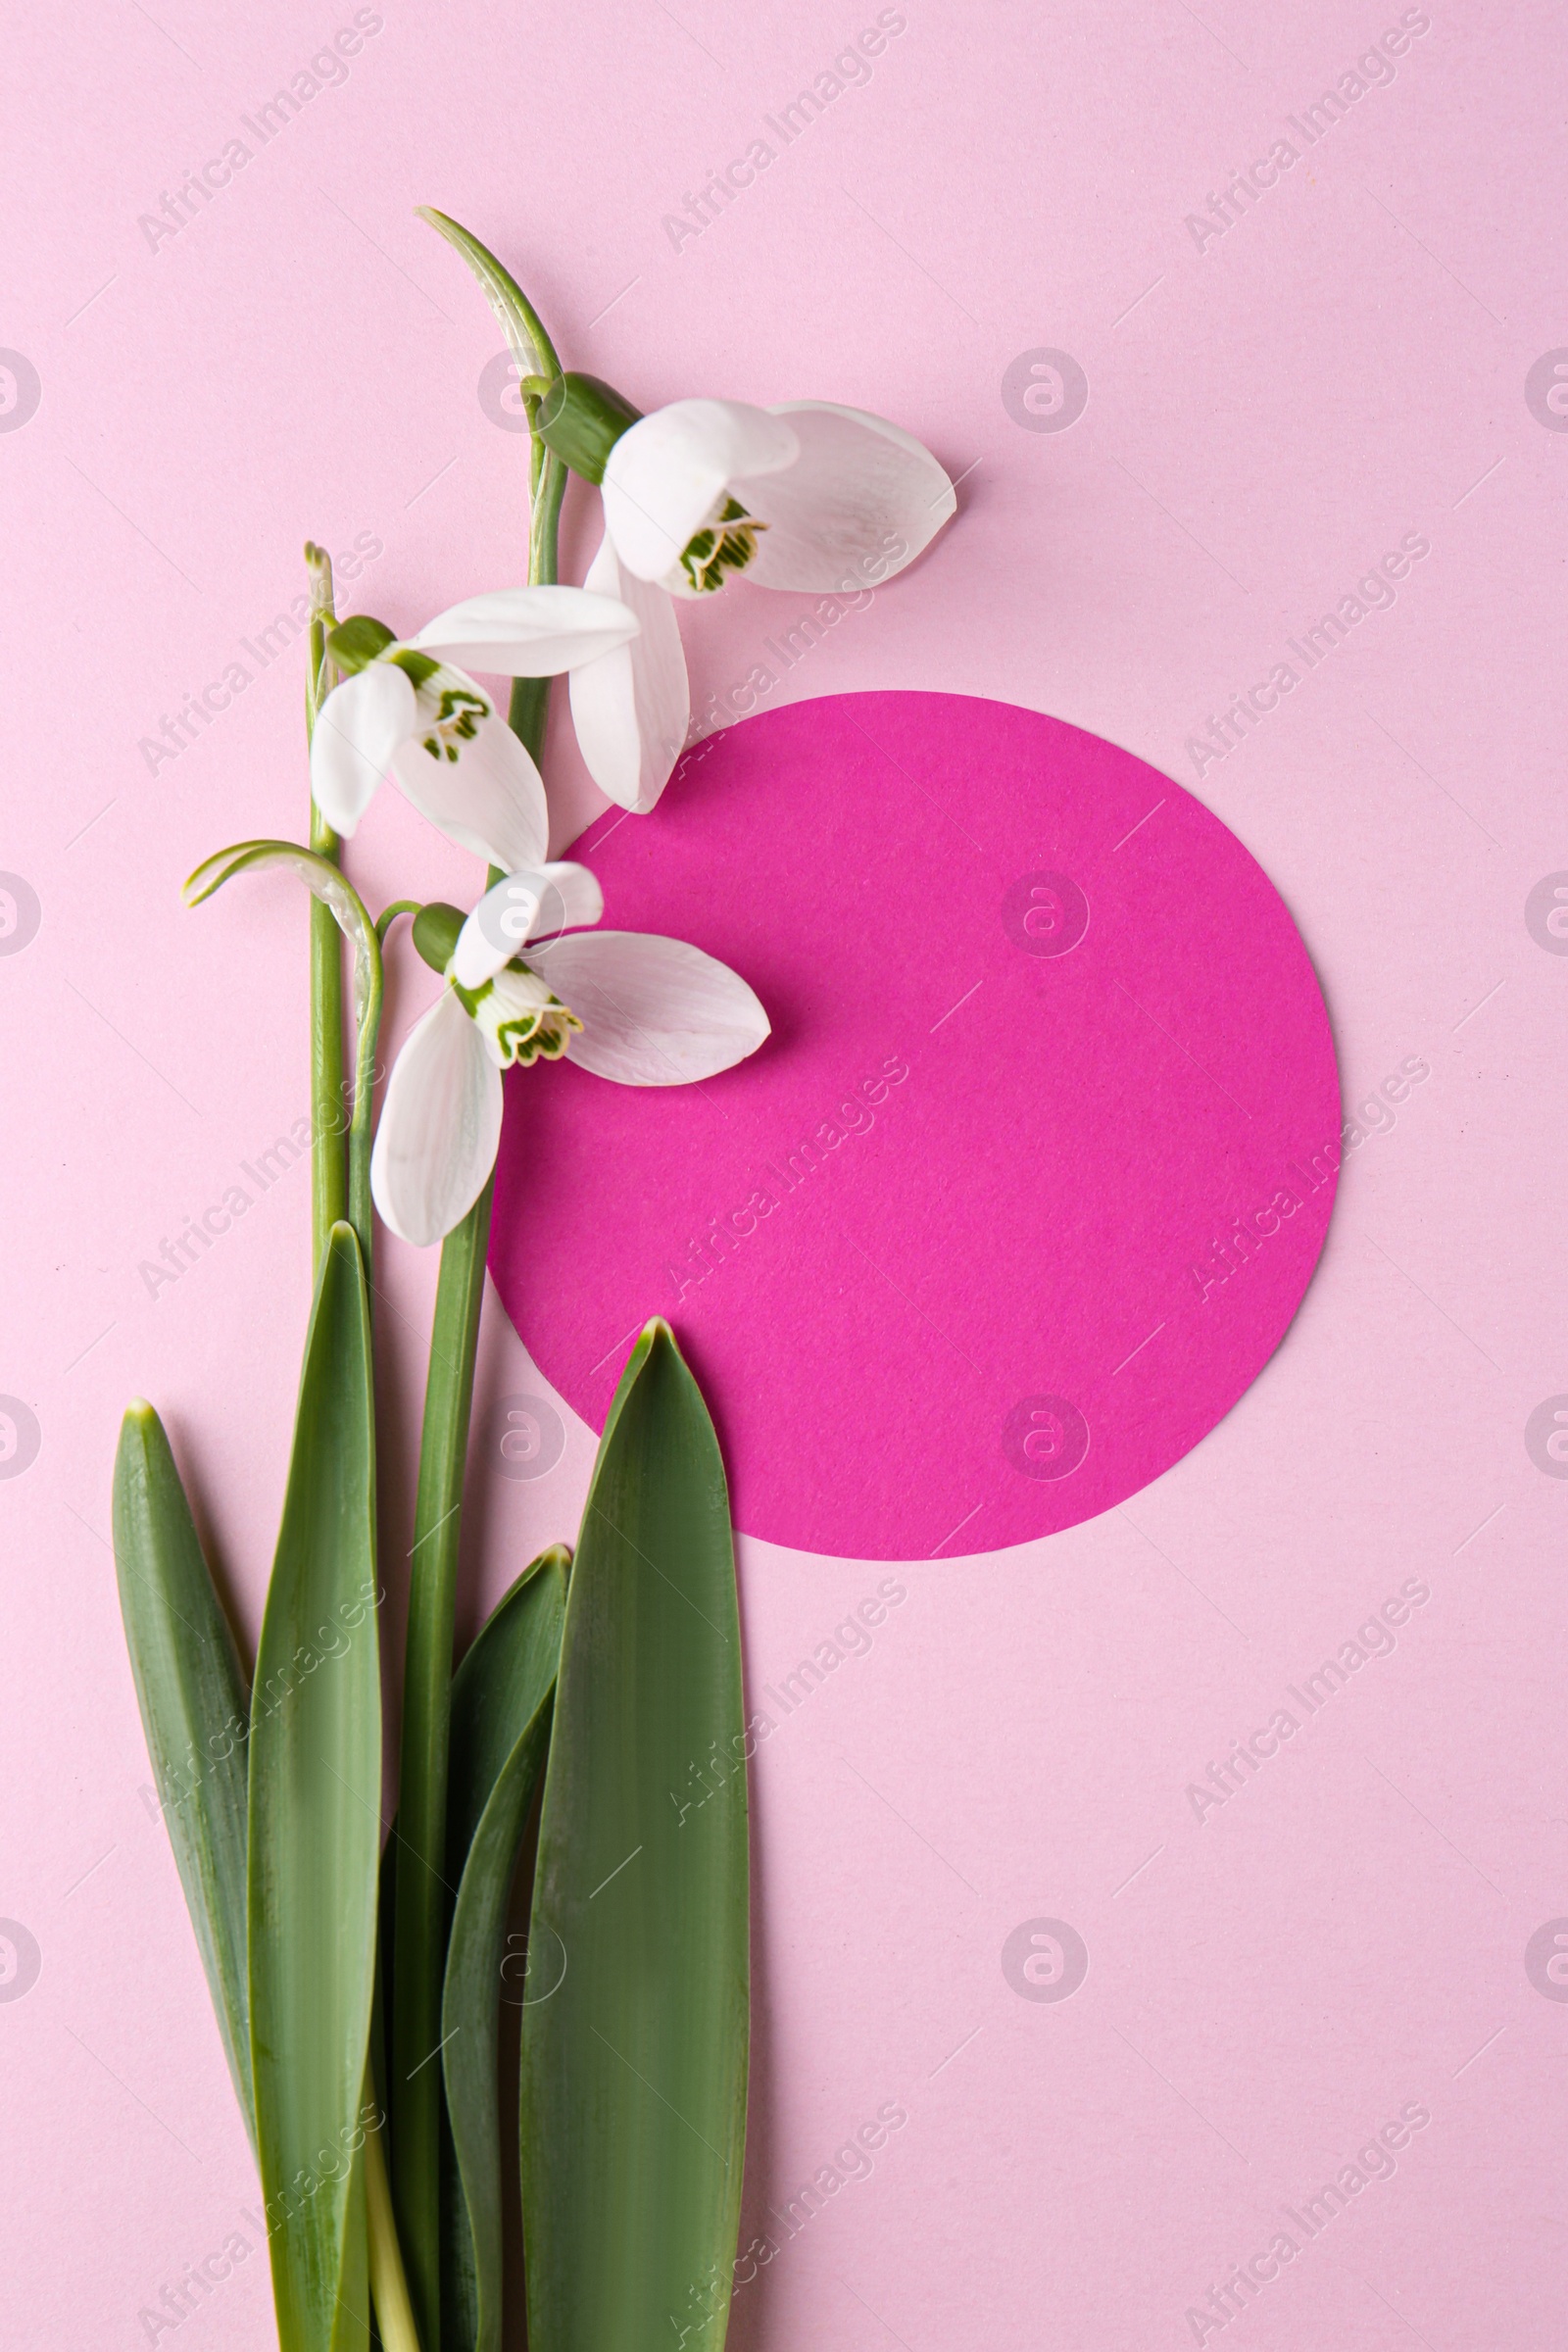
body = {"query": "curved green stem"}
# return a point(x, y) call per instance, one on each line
point(520, 322)
point(389, 915)
point(421, 1906)
point(334, 896)
point(526, 339)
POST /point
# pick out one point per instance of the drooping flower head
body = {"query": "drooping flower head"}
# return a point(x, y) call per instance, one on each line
point(409, 712)
point(807, 496)
point(524, 982)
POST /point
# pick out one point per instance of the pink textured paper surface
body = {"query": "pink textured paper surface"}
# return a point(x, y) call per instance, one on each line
point(1040, 1154)
point(1364, 350)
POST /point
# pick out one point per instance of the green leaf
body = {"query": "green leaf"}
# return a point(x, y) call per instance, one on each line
point(520, 321)
point(422, 1892)
point(500, 1697)
point(535, 356)
point(194, 1711)
point(316, 1830)
point(537, 364)
point(633, 2105)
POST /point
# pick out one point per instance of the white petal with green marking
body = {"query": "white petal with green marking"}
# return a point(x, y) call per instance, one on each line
point(654, 1011)
point(464, 768)
point(669, 477)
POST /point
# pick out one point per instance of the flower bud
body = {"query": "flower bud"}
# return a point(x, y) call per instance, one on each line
point(435, 933)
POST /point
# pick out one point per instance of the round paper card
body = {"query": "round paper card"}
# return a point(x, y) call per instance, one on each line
point(1025, 1186)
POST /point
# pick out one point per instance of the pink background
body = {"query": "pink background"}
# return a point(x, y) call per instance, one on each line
point(1269, 1984)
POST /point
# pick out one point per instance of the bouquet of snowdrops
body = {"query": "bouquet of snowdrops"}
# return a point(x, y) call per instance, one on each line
point(356, 1970)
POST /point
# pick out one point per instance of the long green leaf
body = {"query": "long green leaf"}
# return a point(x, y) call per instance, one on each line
point(314, 1830)
point(422, 1872)
point(501, 1699)
point(194, 1711)
point(634, 2071)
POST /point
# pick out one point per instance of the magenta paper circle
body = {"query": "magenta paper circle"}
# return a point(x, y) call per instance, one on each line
point(1023, 1191)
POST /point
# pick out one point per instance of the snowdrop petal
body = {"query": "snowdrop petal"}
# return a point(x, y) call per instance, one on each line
point(440, 1126)
point(528, 632)
point(664, 476)
point(860, 502)
point(358, 731)
point(632, 706)
point(654, 1011)
point(464, 768)
point(537, 903)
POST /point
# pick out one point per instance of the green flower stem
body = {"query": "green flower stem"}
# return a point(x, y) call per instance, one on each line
point(389, 2287)
point(361, 1135)
point(329, 1200)
point(530, 696)
point(361, 1132)
point(544, 535)
point(389, 915)
point(328, 1172)
point(420, 1900)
